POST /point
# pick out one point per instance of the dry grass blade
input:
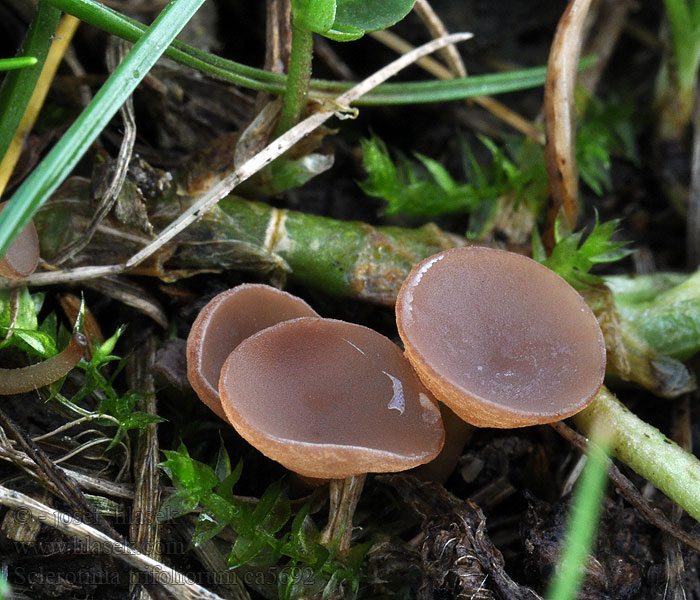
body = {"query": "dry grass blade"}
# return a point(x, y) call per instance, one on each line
point(560, 115)
point(116, 52)
point(179, 586)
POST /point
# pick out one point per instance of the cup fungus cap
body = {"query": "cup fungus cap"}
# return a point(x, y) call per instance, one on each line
point(225, 322)
point(501, 339)
point(22, 257)
point(330, 399)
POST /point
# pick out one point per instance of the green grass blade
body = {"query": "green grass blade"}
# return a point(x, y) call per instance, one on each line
point(18, 86)
point(72, 146)
point(583, 520)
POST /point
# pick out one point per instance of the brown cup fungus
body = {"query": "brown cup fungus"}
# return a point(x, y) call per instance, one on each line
point(330, 399)
point(22, 257)
point(225, 322)
point(499, 338)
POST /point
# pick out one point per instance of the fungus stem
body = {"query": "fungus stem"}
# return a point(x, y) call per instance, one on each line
point(344, 496)
point(647, 451)
point(26, 379)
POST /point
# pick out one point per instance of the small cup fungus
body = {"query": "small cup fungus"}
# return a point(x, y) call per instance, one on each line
point(499, 338)
point(329, 399)
point(225, 322)
point(22, 257)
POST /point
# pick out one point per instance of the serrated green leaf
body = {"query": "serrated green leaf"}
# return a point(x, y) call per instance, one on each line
point(104, 350)
point(267, 502)
point(187, 473)
point(278, 515)
point(35, 342)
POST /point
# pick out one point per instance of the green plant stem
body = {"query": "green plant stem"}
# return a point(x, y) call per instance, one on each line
point(18, 86)
point(298, 78)
point(647, 451)
point(72, 146)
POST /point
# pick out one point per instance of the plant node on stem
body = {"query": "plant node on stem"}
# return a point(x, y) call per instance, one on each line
point(299, 76)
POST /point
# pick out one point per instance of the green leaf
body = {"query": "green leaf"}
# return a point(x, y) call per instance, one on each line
point(223, 462)
point(313, 15)
point(245, 550)
point(187, 473)
point(370, 15)
point(180, 503)
point(205, 529)
point(225, 488)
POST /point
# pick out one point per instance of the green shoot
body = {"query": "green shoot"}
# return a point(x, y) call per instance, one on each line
point(426, 189)
point(583, 520)
point(120, 407)
point(267, 533)
point(573, 259)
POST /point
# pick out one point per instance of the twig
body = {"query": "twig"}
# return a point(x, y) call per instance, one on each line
point(87, 482)
point(457, 69)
